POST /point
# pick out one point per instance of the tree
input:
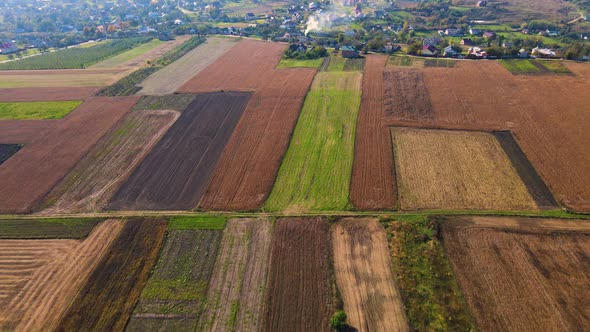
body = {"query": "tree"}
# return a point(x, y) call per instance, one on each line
point(338, 320)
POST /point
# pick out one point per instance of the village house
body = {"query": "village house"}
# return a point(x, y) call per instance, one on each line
point(477, 52)
point(8, 48)
point(475, 32)
point(449, 52)
point(349, 52)
point(542, 52)
point(482, 3)
point(429, 50)
point(453, 32)
point(489, 34)
point(523, 53)
point(467, 42)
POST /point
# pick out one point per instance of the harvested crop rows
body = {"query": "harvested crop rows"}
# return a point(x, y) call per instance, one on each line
point(250, 161)
point(168, 79)
point(445, 169)
point(177, 171)
point(175, 294)
point(62, 78)
point(363, 274)
point(39, 165)
point(23, 131)
point(107, 299)
point(372, 185)
point(522, 274)
point(315, 173)
point(406, 97)
point(299, 295)
point(50, 228)
point(237, 287)
point(93, 181)
point(39, 278)
point(545, 114)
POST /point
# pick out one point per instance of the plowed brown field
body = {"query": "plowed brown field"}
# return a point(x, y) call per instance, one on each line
point(23, 131)
point(31, 173)
point(250, 161)
point(363, 274)
point(373, 182)
point(236, 290)
point(39, 278)
point(73, 78)
point(93, 181)
point(547, 116)
point(520, 274)
point(299, 295)
point(44, 94)
point(406, 97)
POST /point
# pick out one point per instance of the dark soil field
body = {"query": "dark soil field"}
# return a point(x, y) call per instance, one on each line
point(406, 97)
point(373, 182)
point(521, 274)
point(249, 164)
point(44, 94)
point(107, 300)
point(92, 182)
point(545, 114)
point(8, 150)
point(46, 228)
point(39, 165)
point(173, 297)
point(177, 171)
point(535, 185)
point(299, 295)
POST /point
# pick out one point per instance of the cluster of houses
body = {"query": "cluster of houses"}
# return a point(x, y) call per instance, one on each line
point(8, 48)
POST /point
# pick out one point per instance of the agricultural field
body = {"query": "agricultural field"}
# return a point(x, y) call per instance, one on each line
point(93, 181)
point(295, 63)
point(106, 300)
point(23, 131)
point(67, 78)
point(553, 141)
point(522, 273)
point(176, 291)
point(42, 163)
point(404, 61)
point(248, 166)
point(49, 228)
point(168, 79)
point(363, 273)
point(535, 67)
point(372, 185)
point(44, 94)
point(41, 277)
point(75, 57)
point(444, 63)
point(406, 97)
point(315, 173)
point(175, 174)
point(338, 63)
point(37, 109)
point(8, 150)
point(124, 58)
point(238, 283)
point(299, 277)
point(446, 169)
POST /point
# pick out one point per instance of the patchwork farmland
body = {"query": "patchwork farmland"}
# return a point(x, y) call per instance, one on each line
point(234, 189)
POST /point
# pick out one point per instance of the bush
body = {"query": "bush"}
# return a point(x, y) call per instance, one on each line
point(338, 320)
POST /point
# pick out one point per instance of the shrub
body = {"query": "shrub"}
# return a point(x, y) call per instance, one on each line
point(338, 320)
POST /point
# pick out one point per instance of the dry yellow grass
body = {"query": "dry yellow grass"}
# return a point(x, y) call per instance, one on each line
point(446, 169)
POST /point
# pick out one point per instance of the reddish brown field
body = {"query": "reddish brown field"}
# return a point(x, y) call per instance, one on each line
point(23, 131)
point(250, 161)
point(547, 116)
point(39, 278)
point(299, 295)
point(43, 94)
point(31, 173)
point(373, 182)
point(522, 274)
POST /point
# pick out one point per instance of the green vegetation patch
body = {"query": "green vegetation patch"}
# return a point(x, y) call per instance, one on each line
point(338, 63)
point(129, 55)
point(295, 63)
point(37, 109)
point(127, 86)
point(75, 57)
point(201, 222)
point(535, 67)
point(47, 228)
point(315, 173)
point(555, 67)
point(178, 284)
point(444, 63)
point(430, 292)
point(177, 102)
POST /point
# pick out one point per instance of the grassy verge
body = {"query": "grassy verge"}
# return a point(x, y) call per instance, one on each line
point(129, 55)
point(76, 228)
point(315, 173)
point(535, 67)
point(204, 222)
point(294, 63)
point(430, 292)
point(37, 110)
point(75, 57)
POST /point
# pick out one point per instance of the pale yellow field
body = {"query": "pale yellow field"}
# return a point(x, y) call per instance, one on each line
point(444, 169)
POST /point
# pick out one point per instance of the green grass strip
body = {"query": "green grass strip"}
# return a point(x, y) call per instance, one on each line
point(37, 110)
point(315, 173)
point(294, 63)
point(204, 222)
point(129, 55)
